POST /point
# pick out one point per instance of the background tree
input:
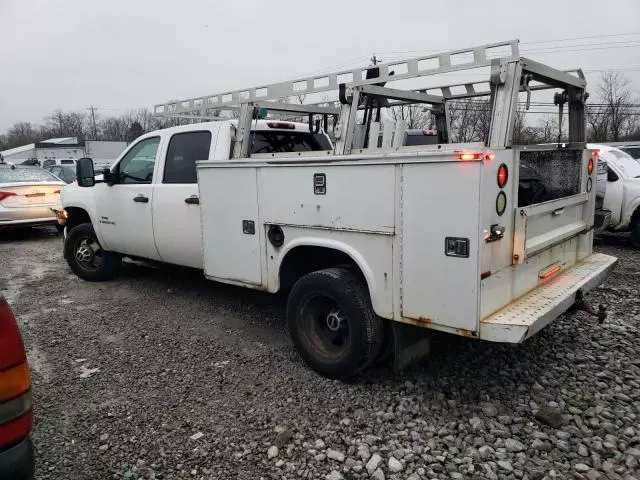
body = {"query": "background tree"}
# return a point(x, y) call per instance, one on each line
point(135, 130)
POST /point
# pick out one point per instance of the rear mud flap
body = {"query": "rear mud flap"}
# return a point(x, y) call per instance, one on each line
point(411, 344)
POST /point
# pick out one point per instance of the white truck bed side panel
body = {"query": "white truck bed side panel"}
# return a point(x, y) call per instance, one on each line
point(230, 254)
point(357, 197)
point(439, 201)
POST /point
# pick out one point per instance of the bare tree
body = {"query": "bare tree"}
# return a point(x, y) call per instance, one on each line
point(617, 101)
point(21, 133)
point(469, 120)
point(415, 116)
point(70, 124)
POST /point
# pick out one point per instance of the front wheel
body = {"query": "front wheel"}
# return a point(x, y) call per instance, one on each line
point(332, 323)
point(86, 257)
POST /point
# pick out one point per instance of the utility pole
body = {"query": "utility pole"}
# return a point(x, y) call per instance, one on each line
point(92, 109)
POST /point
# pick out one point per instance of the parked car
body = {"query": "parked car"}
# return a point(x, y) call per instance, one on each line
point(633, 150)
point(66, 173)
point(16, 449)
point(58, 161)
point(28, 195)
point(622, 197)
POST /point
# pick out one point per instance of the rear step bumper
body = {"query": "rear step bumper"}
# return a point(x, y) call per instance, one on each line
point(532, 312)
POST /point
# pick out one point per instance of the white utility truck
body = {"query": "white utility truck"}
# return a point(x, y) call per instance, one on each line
point(376, 242)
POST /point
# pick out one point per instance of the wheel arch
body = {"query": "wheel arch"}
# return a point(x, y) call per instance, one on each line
point(77, 214)
point(331, 253)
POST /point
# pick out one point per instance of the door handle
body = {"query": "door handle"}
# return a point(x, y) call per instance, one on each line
point(192, 200)
point(558, 211)
point(141, 199)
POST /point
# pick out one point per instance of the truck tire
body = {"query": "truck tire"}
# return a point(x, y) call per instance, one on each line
point(332, 323)
point(86, 257)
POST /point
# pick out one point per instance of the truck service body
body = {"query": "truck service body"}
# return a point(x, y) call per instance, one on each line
point(487, 240)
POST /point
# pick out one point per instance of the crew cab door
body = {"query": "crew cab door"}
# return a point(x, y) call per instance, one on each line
point(124, 208)
point(176, 204)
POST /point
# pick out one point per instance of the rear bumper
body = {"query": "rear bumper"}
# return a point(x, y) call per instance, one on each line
point(17, 462)
point(28, 222)
point(535, 310)
point(27, 216)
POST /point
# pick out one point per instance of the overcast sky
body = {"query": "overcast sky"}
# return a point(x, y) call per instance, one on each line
point(122, 54)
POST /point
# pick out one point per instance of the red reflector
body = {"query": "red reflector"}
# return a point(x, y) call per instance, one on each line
point(4, 195)
point(596, 154)
point(56, 191)
point(503, 175)
point(549, 272)
point(11, 346)
point(285, 125)
point(16, 430)
point(429, 133)
point(466, 156)
point(489, 156)
point(590, 166)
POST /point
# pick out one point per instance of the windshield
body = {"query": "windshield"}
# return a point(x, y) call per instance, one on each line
point(633, 151)
point(624, 161)
point(25, 174)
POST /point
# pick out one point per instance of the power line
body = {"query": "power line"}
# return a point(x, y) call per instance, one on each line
point(583, 38)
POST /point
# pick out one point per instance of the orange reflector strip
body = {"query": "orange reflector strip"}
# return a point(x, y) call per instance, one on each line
point(14, 382)
point(16, 430)
point(549, 271)
point(466, 156)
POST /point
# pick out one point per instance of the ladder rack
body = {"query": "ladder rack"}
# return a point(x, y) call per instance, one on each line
point(451, 61)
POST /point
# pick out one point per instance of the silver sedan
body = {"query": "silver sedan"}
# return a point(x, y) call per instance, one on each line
point(28, 196)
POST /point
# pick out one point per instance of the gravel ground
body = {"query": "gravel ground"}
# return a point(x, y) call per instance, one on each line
point(164, 375)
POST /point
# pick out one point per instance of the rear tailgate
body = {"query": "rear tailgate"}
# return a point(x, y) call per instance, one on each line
point(553, 202)
point(550, 226)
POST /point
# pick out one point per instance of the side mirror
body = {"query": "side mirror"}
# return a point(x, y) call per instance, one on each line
point(611, 176)
point(84, 172)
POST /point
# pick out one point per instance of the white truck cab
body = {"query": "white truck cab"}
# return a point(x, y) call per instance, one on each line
point(155, 180)
point(622, 196)
point(377, 241)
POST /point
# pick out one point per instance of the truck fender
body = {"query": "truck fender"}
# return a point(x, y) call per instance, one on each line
point(358, 259)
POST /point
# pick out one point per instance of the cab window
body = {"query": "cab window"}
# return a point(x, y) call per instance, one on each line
point(137, 165)
point(185, 149)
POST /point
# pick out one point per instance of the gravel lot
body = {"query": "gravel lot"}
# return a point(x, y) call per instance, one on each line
point(162, 374)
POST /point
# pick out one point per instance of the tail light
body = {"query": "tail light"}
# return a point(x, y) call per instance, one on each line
point(4, 195)
point(15, 381)
point(56, 191)
point(590, 166)
point(503, 175)
point(283, 125)
point(429, 133)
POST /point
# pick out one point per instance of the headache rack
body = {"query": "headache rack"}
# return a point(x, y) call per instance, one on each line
point(362, 92)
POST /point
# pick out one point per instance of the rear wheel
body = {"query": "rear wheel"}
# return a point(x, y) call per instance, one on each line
point(332, 323)
point(86, 257)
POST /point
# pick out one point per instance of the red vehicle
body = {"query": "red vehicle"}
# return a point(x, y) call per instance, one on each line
point(16, 449)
